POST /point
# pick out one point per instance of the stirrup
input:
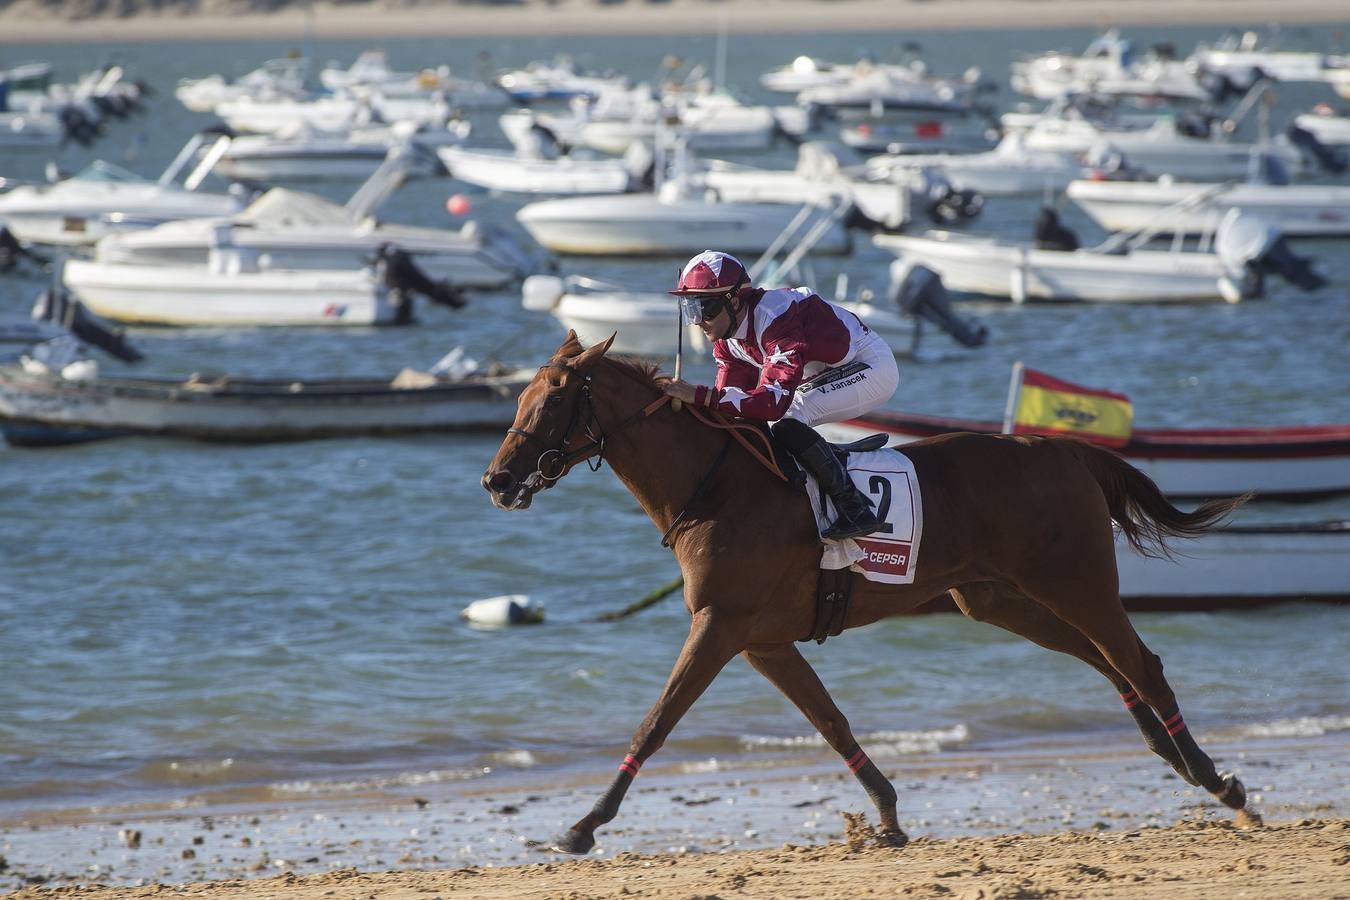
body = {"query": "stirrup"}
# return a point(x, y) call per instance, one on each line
point(846, 527)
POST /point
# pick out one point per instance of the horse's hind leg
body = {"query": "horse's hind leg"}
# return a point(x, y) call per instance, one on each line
point(1001, 605)
point(793, 675)
point(1105, 623)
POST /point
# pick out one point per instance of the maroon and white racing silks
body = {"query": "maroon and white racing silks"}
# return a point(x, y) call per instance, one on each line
point(788, 336)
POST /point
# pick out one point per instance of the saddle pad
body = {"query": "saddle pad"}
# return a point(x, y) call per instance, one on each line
point(891, 554)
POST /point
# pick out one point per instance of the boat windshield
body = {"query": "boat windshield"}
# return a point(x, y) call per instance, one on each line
point(102, 171)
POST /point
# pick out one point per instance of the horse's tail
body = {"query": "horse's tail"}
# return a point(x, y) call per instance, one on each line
point(1137, 505)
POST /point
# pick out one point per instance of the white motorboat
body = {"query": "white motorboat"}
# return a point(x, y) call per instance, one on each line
point(705, 121)
point(105, 198)
point(1121, 270)
point(825, 172)
point(1108, 68)
point(231, 288)
point(1297, 210)
point(1243, 61)
point(371, 72)
point(1164, 149)
point(1010, 169)
point(596, 309)
point(562, 79)
point(274, 78)
point(226, 292)
point(270, 115)
point(675, 220)
point(568, 173)
point(38, 132)
point(286, 229)
point(896, 89)
point(1331, 128)
point(303, 153)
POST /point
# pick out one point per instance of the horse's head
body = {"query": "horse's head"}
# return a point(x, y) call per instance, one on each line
point(554, 417)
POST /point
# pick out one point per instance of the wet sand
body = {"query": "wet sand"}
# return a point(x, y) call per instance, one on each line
point(26, 21)
point(1075, 820)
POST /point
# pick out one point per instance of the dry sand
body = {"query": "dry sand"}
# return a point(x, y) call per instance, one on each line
point(1305, 859)
point(27, 21)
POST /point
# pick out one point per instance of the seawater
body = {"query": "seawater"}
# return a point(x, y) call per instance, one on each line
point(185, 620)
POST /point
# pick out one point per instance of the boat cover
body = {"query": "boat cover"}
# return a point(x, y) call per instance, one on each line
point(283, 207)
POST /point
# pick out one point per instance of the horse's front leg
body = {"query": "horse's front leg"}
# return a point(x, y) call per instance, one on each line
point(710, 645)
point(792, 674)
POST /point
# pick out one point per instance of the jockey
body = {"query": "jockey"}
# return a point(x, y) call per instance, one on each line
point(791, 359)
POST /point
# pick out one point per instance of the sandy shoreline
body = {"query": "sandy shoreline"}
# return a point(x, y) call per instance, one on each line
point(1304, 859)
point(695, 819)
point(25, 23)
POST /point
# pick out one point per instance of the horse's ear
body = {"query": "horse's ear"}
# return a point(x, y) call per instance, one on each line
point(588, 357)
point(571, 345)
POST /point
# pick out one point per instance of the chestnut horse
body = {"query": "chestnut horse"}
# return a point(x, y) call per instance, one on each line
point(1016, 529)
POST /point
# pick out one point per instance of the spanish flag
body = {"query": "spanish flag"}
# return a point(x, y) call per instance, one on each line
point(1040, 404)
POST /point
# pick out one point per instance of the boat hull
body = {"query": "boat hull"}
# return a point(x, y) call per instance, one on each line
point(194, 296)
point(504, 171)
point(642, 225)
point(1296, 210)
point(41, 409)
point(992, 269)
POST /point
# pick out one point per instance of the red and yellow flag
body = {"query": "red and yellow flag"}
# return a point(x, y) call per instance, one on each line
point(1046, 405)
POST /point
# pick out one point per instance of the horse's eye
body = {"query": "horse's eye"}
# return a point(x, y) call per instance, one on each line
point(555, 400)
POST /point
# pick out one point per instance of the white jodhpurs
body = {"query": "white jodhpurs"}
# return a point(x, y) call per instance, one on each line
point(848, 391)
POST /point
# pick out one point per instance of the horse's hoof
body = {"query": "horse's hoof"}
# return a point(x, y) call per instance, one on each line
point(573, 841)
point(892, 839)
point(1232, 795)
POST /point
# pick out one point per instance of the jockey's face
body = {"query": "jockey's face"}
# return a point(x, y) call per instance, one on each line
point(720, 326)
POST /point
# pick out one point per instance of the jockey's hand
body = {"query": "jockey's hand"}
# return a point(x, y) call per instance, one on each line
point(680, 390)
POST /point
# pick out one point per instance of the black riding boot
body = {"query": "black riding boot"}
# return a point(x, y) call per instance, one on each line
point(856, 517)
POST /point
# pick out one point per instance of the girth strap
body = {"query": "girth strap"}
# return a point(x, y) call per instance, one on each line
point(834, 590)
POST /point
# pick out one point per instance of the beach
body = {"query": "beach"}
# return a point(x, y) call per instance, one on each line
point(27, 21)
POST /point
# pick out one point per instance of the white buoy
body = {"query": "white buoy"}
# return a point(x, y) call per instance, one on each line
point(498, 612)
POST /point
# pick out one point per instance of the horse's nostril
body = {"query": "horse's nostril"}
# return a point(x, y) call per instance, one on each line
point(500, 482)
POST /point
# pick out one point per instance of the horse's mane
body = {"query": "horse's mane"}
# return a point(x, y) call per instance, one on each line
point(639, 370)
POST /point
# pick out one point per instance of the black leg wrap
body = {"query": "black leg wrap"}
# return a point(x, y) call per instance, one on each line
point(608, 806)
point(1200, 765)
point(1159, 741)
point(878, 786)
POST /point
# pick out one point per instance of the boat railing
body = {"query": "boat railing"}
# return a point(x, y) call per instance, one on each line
point(1125, 241)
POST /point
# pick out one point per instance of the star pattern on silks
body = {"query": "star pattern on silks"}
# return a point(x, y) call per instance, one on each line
point(776, 389)
point(778, 356)
point(734, 395)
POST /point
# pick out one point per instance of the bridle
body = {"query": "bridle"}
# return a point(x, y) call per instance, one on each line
point(558, 460)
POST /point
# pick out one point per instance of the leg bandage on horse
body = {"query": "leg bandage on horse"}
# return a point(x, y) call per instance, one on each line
point(608, 806)
point(877, 785)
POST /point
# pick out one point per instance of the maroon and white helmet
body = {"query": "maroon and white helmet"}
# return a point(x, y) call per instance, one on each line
point(711, 272)
point(708, 282)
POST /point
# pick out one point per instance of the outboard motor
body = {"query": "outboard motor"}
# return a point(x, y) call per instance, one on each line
point(1250, 248)
point(397, 271)
point(640, 163)
point(78, 126)
point(946, 205)
point(1051, 234)
point(55, 305)
point(12, 252)
point(1331, 161)
point(919, 292)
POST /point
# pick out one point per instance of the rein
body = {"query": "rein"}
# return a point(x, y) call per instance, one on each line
point(559, 460)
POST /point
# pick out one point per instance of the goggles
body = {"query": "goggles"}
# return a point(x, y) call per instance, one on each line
point(698, 309)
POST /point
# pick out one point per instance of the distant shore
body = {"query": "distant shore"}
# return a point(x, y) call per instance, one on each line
point(25, 22)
